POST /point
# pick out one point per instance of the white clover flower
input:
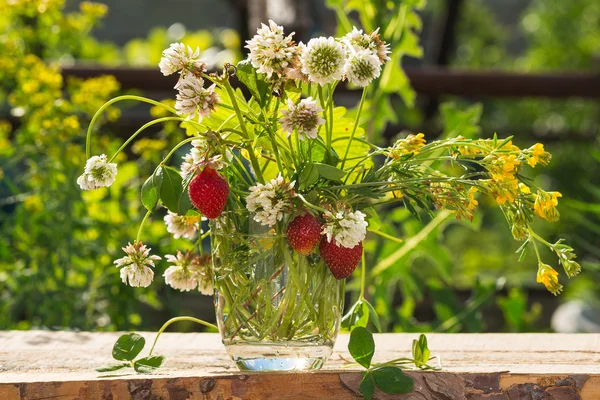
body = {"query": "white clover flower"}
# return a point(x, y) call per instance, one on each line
point(362, 67)
point(294, 70)
point(181, 58)
point(135, 265)
point(270, 201)
point(189, 272)
point(271, 51)
point(178, 275)
point(97, 173)
point(85, 183)
point(204, 274)
point(358, 41)
point(193, 99)
point(323, 60)
point(196, 154)
point(348, 228)
point(182, 225)
point(303, 117)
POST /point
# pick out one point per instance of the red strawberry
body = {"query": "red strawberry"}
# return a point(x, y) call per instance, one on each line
point(208, 192)
point(342, 261)
point(303, 233)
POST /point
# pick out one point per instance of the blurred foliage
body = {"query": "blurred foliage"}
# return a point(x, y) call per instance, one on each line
point(58, 242)
point(218, 46)
point(452, 276)
point(399, 25)
point(551, 35)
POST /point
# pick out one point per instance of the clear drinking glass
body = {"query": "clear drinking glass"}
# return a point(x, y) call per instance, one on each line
point(276, 309)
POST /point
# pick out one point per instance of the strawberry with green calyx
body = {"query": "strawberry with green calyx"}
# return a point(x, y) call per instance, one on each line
point(340, 260)
point(303, 233)
point(208, 192)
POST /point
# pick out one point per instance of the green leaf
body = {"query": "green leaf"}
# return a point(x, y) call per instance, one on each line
point(362, 346)
point(185, 204)
point(409, 206)
point(128, 346)
point(224, 116)
point(170, 189)
point(367, 386)
point(329, 172)
point(373, 219)
point(342, 129)
point(461, 122)
point(392, 380)
point(523, 254)
point(308, 176)
point(148, 365)
point(374, 316)
point(151, 189)
point(420, 351)
point(246, 74)
point(114, 367)
point(358, 315)
point(318, 150)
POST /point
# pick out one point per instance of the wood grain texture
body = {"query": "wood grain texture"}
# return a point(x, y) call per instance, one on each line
point(59, 365)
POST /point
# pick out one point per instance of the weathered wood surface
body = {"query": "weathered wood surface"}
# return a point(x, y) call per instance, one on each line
point(59, 365)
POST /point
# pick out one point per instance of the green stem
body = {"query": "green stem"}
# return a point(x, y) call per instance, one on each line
point(537, 252)
point(153, 122)
point(293, 155)
point(253, 159)
point(360, 107)
point(363, 276)
point(137, 239)
point(174, 149)
point(330, 105)
point(390, 237)
point(88, 139)
point(540, 239)
point(310, 205)
point(177, 319)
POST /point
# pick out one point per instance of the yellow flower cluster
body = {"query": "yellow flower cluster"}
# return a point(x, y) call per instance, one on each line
point(545, 205)
point(537, 155)
point(455, 198)
point(90, 94)
point(549, 277)
point(410, 145)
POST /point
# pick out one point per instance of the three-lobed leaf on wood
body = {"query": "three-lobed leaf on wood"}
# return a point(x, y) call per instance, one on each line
point(127, 348)
point(387, 377)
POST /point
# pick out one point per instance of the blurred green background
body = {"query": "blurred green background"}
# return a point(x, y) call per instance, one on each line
point(57, 243)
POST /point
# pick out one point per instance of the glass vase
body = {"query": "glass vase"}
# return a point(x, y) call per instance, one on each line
point(276, 309)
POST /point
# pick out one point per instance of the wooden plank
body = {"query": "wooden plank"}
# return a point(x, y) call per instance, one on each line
point(427, 80)
point(59, 365)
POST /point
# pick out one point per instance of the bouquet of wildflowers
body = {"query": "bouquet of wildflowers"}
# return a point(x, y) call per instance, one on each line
point(278, 148)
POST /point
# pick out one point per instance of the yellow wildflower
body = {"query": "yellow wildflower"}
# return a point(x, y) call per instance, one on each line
point(505, 189)
point(510, 146)
point(523, 188)
point(545, 205)
point(537, 155)
point(473, 203)
point(33, 204)
point(504, 167)
point(411, 144)
point(549, 277)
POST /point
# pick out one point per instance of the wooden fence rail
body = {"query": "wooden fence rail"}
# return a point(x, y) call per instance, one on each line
point(428, 81)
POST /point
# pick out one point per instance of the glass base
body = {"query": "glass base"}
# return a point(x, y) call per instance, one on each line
point(282, 356)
